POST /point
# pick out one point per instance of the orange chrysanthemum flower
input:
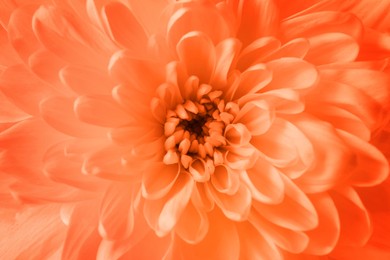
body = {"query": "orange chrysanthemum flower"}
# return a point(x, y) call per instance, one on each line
point(237, 129)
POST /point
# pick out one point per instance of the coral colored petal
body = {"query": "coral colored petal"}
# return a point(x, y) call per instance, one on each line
point(255, 52)
point(356, 226)
point(287, 147)
point(225, 180)
point(372, 167)
point(186, 20)
point(295, 212)
point(24, 242)
point(163, 214)
point(332, 160)
point(318, 23)
point(82, 238)
point(201, 198)
point(237, 134)
point(100, 111)
point(61, 168)
point(85, 80)
point(27, 141)
point(47, 66)
point(124, 27)
point(291, 73)
point(107, 163)
point(9, 112)
point(20, 32)
point(227, 53)
point(257, 116)
point(193, 225)
point(61, 33)
point(297, 48)
point(342, 119)
point(252, 80)
point(253, 244)
point(158, 180)
point(257, 18)
point(58, 112)
point(287, 239)
point(235, 207)
point(116, 218)
point(17, 79)
point(332, 47)
point(225, 247)
point(346, 96)
point(373, 83)
point(130, 71)
point(325, 236)
point(197, 52)
point(265, 182)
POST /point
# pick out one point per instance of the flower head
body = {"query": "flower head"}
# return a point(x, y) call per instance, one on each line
point(208, 129)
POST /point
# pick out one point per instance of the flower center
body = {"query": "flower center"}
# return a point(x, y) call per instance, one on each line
point(195, 128)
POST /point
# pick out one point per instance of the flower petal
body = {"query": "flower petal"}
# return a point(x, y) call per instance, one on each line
point(100, 111)
point(20, 32)
point(130, 71)
point(61, 33)
point(58, 112)
point(295, 212)
point(82, 238)
point(193, 225)
point(325, 236)
point(17, 79)
point(332, 47)
point(116, 218)
point(158, 180)
point(257, 18)
point(85, 80)
point(356, 227)
point(187, 20)
point(253, 245)
point(265, 182)
point(236, 206)
point(372, 167)
point(225, 247)
point(317, 23)
point(197, 52)
point(291, 73)
point(257, 116)
point(124, 27)
point(287, 239)
point(163, 214)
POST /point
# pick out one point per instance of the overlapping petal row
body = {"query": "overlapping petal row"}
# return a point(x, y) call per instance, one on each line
point(208, 129)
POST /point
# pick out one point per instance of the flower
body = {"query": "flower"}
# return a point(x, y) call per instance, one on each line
point(207, 129)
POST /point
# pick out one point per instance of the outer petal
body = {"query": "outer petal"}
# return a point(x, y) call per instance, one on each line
point(197, 52)
point(124, 27)
point(295, 212)
point(222, 237)
point(116, 220)
point(82, 239)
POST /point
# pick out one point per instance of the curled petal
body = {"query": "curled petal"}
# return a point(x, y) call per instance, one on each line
point(124, 27)
point(225, 180)
point(116, 219)
point(236, 206)
point(193, 225)
point(197, 52)
point(237, 134)
point(256, 116)
point(158, 180)
point(295, 212)
point(265, 182)
point(100, 110)
point(163, 214)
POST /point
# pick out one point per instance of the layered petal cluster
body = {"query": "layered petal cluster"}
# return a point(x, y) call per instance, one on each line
point(237, 129)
